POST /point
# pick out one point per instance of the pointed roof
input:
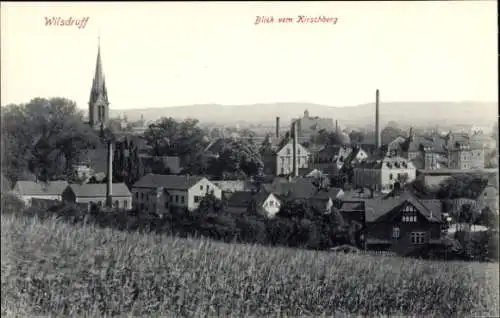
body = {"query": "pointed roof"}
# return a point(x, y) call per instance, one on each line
point(99, 84)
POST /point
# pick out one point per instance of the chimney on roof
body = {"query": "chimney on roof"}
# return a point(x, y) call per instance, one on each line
point(277, 127)
point(295, 168)
point(109, 183)
point(378, 138)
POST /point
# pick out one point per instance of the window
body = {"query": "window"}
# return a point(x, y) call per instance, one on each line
point(196, 199)
point(142, 195)
point(99, 203)
point(166, 204)
point(418, 237)
point(137, 195)
point(182, 199)
point(201, 187)
point(171, 199)
point(390, 176)
point(208, 188)
point(271, 203)
point(395, 232)
point(125, 204)
point(176, 199)
point(117, 204)
point(409, 218)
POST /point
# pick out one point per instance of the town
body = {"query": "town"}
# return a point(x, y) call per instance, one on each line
point(409, 193)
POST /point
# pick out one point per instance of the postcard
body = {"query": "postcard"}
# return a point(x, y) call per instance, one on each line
point(167, 159)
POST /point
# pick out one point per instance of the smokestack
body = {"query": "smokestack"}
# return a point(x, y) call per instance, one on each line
point(295, 168)
point(277, 127)
point(336, 126)
point(109, 184)
point(378, 138)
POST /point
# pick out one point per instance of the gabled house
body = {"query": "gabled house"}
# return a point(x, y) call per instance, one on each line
point(164, 193)
point(402, 224)
point(284, 158)
point(29, 190)
point(88, 194)
point(263, 202)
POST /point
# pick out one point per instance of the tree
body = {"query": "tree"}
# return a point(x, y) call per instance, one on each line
point(356, 137)
point(167, 137)
point(488, 218)
point(495, 131)
point(266, 146)
point(238, 159)
point(127, 166)
point(44, 137)
point(462, 186)
point(390, 133)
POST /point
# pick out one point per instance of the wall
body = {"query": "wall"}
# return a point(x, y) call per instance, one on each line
point(367, 177)
point(123, 202)
point(27, 198)
point(387, 183)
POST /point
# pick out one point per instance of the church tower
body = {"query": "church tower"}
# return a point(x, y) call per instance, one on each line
point(98, 101)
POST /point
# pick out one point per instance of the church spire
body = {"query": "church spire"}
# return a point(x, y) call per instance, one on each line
point(98, 101)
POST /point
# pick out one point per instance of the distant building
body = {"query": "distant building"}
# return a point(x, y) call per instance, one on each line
point(308, 125)
point(163, 193)
point(29, 190)
point(88, 194)
point(381, 174)
point(464, 155)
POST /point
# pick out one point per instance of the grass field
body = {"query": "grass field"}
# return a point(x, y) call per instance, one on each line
point(55, 269)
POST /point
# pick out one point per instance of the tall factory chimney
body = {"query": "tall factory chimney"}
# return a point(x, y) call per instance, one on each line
point(277, 127)
point(295, 168)
point(378, 137)
point(336, 126)
point(109, 183)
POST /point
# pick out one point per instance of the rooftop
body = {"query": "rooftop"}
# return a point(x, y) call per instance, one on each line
point(171, 182)
point(40, 188)
point(99, 190)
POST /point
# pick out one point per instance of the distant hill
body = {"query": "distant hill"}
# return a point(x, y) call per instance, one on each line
point(415, 113)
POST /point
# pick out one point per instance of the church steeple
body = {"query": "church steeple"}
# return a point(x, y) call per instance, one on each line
point(98, 101)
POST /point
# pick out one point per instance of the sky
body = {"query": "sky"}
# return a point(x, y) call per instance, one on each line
point(174, 54)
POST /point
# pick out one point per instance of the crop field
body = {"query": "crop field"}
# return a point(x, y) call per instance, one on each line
point(51, 268)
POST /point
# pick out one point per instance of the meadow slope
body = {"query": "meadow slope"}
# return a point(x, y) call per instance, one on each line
point(53, 268)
